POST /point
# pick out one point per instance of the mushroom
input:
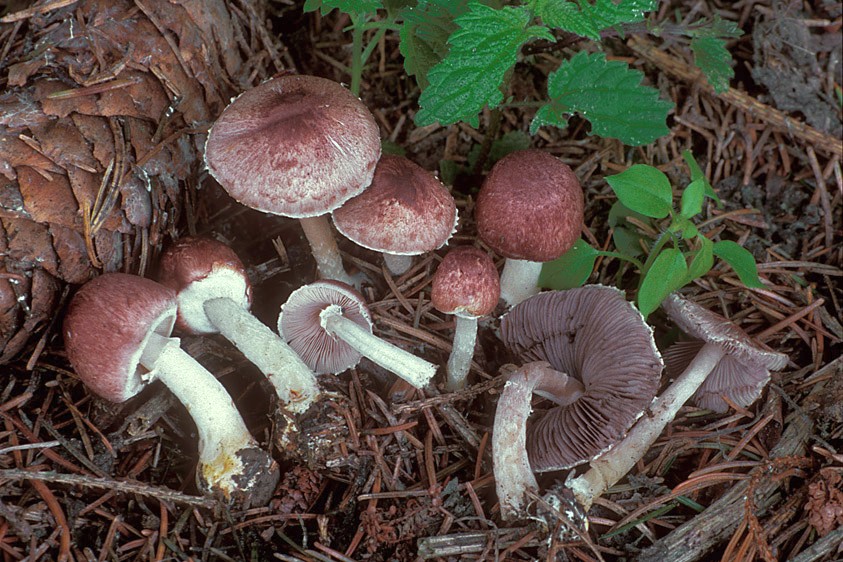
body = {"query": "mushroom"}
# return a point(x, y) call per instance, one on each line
point(328, 324)
point(214, 296)
point(406, 211)
point(529, 210)
point(116, 334)
point(465, 284)
point(296, 146)
point(608, 373)
point(743, 371)
point(723, 341)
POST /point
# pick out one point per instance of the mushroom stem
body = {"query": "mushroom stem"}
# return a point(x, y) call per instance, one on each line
point(317, 230)
point(514, 478)
point(228, 455)
point(459, 363)
point(519, 280)
point(294, 382)
point(610, 467)
point(398, 264)
point(412, 369)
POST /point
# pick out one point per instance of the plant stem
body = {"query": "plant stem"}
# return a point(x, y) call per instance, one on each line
point(356, 54)
point(637, 263)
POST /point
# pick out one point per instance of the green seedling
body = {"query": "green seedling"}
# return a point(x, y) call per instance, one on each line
point(679, 254)
point(462, 55)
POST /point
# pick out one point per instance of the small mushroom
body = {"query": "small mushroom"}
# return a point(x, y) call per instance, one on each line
point(598, 338)
point(116, 334)
point(214, 296)
point(529, 210)
point(328, 324)
point(405, 212)
point(465, 284)
point(297, 146)
point(723, 339)
point(743, 371)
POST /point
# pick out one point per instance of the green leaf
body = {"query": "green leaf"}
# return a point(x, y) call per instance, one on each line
point(716, 27)
point(571, 270)
point(667, 274)
point(424, 35)
point(348, 6)
point(643, 189)
point(692, 199)
point(448, 171)
point(390, 147)
point(482, 49)
point(697, 174)
point(627, 242)
point(566, 16)
point(711, 55)
point(510, 142)
point(741, 261)
point(607, 93)
point(609, 13)
point(685, 227)
point(702, 261)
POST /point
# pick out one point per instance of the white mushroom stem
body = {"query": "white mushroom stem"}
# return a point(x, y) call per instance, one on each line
point(397, 264)
point(514, 479)
point(222, 432)
point(462, 351)
point(293, 380)
point(318, 232)
point(519, 280)
point(609, 468)
point(412, 369)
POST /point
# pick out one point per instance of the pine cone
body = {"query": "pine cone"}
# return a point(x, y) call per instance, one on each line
point(102, 126)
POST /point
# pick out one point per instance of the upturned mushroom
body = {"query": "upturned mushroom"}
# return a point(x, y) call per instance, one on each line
point(406, 211)
point(723, 341)
point(214, 296)
point(529, 210)
point(117, 336)
point(296, 146)
point(466, 285)
point(328, 324)
point(606, 368)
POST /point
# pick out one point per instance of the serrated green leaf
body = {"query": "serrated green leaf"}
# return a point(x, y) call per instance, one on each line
point(712, 57)
point(607, 93)
point(692, 199)
point(347, 6)
point(571, 270)
point(609, 13)
point(702, 260)
point(643, 189)
point(667, 274)
point(566, 16)
point(697, 174)
point(716, 27)
point(509, 142)
point(741, 261)
point(424, 35)
point(482, 49)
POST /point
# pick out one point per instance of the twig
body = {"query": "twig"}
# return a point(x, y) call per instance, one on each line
point(118, 486)
point(773, 117)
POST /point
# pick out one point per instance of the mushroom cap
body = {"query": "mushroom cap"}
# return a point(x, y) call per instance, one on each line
point(741, 374)
point(595, 335)
point(530, 207)
point(466, 283)
point(297, 146)
point(405, 211)
point(107, 326)
point(300, 324)
point(200, 269)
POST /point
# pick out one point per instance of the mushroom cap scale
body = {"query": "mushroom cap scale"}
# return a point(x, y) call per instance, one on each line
point(296, 146)
point(107, 326)
point(405, 211)
point(530, 207)
point(200, 269)
point(300, 324)
point(594, 335)
point(466, 283)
